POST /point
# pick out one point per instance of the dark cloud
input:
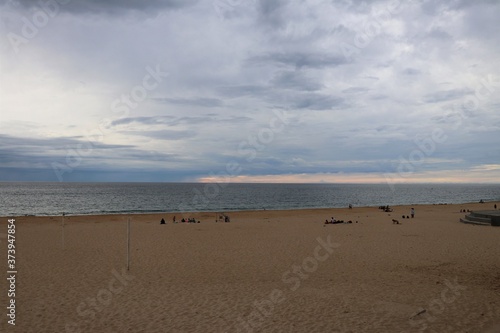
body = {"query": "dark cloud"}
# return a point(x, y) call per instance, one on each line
point(146, 156)
point(271, 12)
point(464, 4)
point(31, 157)
point(439, 34)
point(161, 120)
point(243, 90)
point(42, 152)
point(300, 60)
point(45, 159)
point(411, 71)
point(355, 90)
point(178, 120)
point(296, 80)
point(379, 97)
point(58, 143)
point(111, 6)
point(101, 174)
point(447, 95)
point(314, 101)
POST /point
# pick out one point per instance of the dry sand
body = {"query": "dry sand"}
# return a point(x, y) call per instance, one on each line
point(265, 271)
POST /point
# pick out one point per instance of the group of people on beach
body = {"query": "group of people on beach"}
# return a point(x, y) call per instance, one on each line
point(385, 208)
point(333, 221)
point(189, 220)
point(412, 213)
point(388, 209)
point(223, 217)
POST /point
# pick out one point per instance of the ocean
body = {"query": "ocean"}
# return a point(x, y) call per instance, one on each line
point(35, 198)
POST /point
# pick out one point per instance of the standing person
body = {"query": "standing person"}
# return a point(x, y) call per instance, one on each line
point(495, 206)
point(173, 219)
point(412, 213)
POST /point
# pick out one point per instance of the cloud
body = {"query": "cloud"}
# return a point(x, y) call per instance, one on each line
point(295, 80)
point(439, 34)
point(172, 121)
point(411, 71)
point(270, 75)
point(143, 120)
point(200, 101)
point(30, 153)
point(447, 95)
point(315, 101)
point(167, 135)
point(112, 7)
point(299, 60)
point(355, 90)
point(234, 91)
point(42, 159)
point(271, 12)
point(56, 143)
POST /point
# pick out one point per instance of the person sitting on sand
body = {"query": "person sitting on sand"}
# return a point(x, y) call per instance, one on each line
point(162, 221)
point(332, 220)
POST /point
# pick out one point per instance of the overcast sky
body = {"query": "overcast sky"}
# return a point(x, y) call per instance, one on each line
point(250, 91)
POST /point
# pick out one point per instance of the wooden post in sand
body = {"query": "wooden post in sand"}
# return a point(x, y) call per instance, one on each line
point(128, 244)
point(62, 230)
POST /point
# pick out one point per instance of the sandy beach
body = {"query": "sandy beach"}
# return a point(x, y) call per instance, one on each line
point(265, 271)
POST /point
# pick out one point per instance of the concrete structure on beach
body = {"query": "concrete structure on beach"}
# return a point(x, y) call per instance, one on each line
point(483, 217)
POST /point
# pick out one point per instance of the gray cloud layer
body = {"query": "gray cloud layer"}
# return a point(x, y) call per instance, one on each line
point(113, 7)
point(301, 87)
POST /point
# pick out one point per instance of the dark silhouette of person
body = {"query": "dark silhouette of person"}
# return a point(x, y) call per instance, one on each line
point(162, 221)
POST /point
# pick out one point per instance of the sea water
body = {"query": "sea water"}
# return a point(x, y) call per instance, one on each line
point(122, 198)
